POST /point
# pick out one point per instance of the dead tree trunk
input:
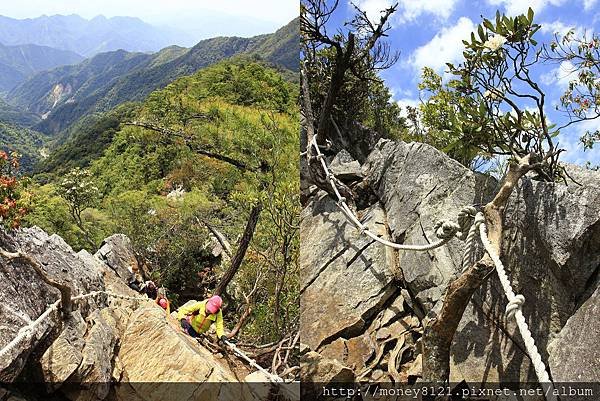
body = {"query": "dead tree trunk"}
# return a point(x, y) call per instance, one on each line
point(243, 244)
point(65, 290)
point(439, 330)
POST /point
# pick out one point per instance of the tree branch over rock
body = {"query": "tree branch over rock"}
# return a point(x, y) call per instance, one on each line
point(332, 67)
point(65, 290)
point(359, 51)
point(188, 140)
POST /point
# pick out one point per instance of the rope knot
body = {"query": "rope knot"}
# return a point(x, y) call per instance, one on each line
point(514, 305)
point(445, 229)
point(479, 219)
point(465, 220)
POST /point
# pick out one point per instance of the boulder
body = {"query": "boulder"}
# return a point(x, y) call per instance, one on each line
point(345, 167)
point(551, 249)
point(419, 186)
point(346, 276)
point(64, 356)
point(161, 363)
point(117, 252)
point(94, 374)
point(575, 352)
point(24, 296)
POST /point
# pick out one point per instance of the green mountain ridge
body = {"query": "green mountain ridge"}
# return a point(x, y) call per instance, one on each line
point(63, 95)
point(163, 192)
point(18, 63)
point(86, 37)
point(29, 144)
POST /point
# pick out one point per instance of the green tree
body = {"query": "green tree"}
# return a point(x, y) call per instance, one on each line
point(581, 100)
point(80, 192)
point(437, 119)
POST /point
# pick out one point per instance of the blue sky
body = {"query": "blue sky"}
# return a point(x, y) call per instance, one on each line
point(202, 18)
point(429, 33)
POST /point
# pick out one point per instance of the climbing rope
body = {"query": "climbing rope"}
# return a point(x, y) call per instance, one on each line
point(514, 309)
point(469, 222)
point(445, 230)
point(273, 378)
point(29, 331)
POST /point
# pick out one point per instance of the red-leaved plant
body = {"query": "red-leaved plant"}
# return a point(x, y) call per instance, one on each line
point(11, 211)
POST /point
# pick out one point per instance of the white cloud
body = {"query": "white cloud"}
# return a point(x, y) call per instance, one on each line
point(403, 103)
point(409, 10)
point(445, 47)
point(516, 7)
point(397, 92)
point(439, 8)
point(559, 28)
point(589, 4)
point(561, 75)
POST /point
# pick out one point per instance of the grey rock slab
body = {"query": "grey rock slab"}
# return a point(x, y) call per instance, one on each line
point(345, 167)
point(25, 296)
point(347, 276)
point(418, 186)
point(117, 252)
point(575, 352)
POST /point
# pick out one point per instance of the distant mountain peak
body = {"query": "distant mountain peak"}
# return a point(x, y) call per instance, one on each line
point(86, 37)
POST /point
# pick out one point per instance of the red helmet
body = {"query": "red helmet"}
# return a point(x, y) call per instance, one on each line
point(213, 304)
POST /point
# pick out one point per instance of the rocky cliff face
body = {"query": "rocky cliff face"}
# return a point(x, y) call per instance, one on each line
point(363, 303)
point(108, 348)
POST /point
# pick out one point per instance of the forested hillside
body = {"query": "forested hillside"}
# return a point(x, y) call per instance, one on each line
point(25, 142)
point(17, 63)
point(64, 95)
point(210, 152)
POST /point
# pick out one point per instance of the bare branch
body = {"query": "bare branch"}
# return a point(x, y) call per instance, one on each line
point(65, 290)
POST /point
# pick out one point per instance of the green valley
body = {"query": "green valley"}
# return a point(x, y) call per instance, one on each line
point(64, 95)
point(205, 153)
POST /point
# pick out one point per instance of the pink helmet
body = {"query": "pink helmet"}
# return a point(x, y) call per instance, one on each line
point(213, 304)
point(163, 303)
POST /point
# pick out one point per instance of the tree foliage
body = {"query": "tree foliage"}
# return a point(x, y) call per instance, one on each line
point(12, 195)
point(580, 55)
point(496, 107)
point(164, 179)
point(341, 70)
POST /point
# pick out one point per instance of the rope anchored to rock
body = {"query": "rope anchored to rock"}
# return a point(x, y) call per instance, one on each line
point(469, 223)
point(514, 309)
point(273, 378)
point(445, 230)
point(29, 331)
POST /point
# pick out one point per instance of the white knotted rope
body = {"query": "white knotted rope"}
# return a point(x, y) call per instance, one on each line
point(273, 378)
point(29, 331)
point(469, 222)
point(445, 230)
point(514, 309)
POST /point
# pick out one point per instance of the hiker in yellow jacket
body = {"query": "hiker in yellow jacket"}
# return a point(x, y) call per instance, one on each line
point(197, 318)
